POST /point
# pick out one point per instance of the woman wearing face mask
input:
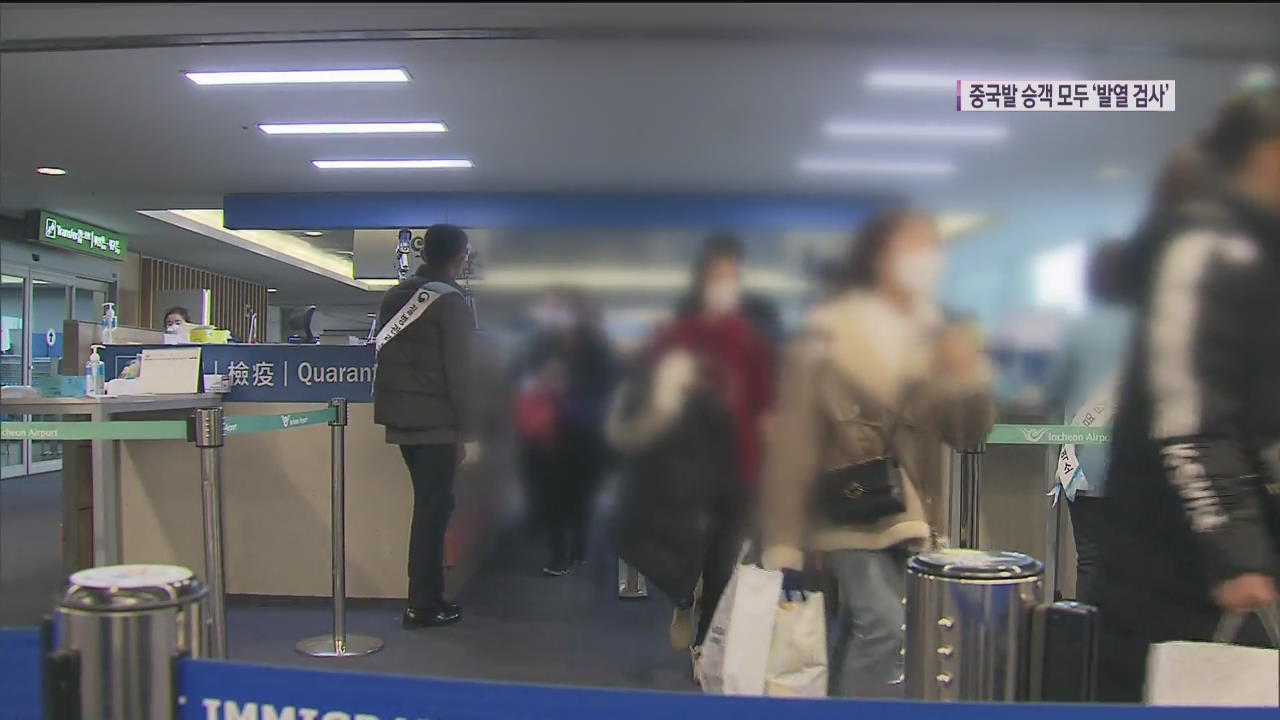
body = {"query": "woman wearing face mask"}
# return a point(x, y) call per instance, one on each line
point(873, 375)
point(711, 384)
point(569, 373)
point(175, 319)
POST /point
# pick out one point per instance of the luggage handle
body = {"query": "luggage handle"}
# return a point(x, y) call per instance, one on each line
point(1231, 623)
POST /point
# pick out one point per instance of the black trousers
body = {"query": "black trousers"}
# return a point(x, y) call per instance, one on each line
point(1088, 523)
point(569, 477)
point(431, 467)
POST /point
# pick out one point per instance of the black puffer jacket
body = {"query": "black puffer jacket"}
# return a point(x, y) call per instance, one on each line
point(679, 472)
point(425, 371)
point(1196, 455)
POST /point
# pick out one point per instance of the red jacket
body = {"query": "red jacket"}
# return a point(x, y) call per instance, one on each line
point(737, 360)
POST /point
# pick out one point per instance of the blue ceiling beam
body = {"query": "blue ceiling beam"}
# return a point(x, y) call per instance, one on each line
point(332, 211)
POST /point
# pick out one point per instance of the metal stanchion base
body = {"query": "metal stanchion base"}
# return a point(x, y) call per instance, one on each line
point(324, 646)
point(631, 584)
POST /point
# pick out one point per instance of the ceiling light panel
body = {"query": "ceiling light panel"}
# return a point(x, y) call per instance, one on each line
point(906, 131)
point(299, 77)
point(869, 166)
point(377, 128)
point(391, 164)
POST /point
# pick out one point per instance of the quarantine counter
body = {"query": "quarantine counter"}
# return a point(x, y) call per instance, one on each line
point(276, 485)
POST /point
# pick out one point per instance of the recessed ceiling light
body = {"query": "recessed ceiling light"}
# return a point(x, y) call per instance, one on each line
point(946, 80)
point(289, 77)
point(1113, 173)
point(353, 128)
point(962, 133)
point(51, 171)
point(861, 166)
point(313, 233)
point(389, 164)
point(271, 290)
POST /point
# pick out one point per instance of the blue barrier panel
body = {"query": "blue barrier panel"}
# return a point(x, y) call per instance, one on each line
point(212, 690)
point(20, 674)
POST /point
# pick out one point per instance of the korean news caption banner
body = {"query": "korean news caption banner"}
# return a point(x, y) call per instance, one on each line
point(278, 373)
point(1065, 95)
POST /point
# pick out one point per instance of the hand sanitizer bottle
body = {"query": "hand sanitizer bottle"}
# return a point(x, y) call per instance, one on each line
point(109, 323)
point(95, 374)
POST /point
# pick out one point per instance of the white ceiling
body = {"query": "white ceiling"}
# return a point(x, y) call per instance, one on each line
point(618, 97)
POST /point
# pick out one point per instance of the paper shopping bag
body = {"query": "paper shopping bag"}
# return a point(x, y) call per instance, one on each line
point(1212, 674)
point(797, 664)
point(736, 651)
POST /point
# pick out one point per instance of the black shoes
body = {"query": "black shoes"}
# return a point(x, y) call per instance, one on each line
point(444, 614)
point(557, 568)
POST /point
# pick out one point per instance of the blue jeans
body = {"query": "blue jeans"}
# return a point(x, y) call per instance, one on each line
point(867, 636)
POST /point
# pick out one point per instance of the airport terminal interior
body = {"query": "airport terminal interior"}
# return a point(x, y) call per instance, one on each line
point(247, 183)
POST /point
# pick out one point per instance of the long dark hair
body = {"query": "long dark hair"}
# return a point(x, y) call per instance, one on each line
point(870, 242)
point(720, 246)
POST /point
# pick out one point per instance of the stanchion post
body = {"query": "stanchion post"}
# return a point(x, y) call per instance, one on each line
point(631, 584)
point(339, 644)
point(970, 480)
point(209, 438)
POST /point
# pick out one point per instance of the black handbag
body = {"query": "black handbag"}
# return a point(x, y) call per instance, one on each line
point(862, 493)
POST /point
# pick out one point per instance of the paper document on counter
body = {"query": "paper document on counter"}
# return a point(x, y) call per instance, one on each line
point(170, 371)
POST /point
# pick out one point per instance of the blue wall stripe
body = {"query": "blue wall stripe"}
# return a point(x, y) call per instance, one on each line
point(326, 211)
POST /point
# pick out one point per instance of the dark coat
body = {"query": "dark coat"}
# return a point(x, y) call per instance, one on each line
point(679, 474)
point(424, 373)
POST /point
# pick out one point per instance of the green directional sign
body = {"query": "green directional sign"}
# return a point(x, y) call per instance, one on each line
point(120, 430)
point(1048, 435)
point(65, 232)
point(250, 424)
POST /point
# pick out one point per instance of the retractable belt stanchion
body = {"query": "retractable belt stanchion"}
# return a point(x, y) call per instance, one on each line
point(339, 644)
point(631, 584)
point(965, 533)
point(112, 642)
point(209, 438)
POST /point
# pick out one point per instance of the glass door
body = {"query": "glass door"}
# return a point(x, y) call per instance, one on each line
point(13, 295)
point(50, 308)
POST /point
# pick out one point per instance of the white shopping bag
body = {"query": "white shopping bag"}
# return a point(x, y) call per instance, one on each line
point(736, 651)
point(798, 653)
point(1214, 674)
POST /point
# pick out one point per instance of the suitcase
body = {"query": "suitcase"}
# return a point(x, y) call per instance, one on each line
point(1062, 657)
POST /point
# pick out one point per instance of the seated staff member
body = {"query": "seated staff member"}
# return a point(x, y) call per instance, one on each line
point(420, 396)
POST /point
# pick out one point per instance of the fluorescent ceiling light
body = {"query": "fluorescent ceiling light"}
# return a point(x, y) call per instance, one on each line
point(313, 233)
point(389, 164)
point(857, 166)
point(51, 171)
point(974, 133)
point(377, 128)
point(946, 80)
point(271, 290)
point(291, 77)
point(609, 278)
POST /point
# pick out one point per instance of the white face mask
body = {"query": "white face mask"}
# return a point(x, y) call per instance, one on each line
point(173, 328)
point(722, 296)
point(919, 272)
point(553, 317)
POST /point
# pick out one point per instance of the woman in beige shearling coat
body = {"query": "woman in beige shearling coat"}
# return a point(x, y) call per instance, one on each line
point(875, 353)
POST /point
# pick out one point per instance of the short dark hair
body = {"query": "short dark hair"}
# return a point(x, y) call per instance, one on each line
point(718, 246)
point(1242, 123)
point(179, 311)
point(1107, 270)
point(869, 243)
point(443, 244)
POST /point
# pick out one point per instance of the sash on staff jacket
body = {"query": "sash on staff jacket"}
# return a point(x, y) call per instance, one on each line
point(1096, 412)
point(413, 309)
